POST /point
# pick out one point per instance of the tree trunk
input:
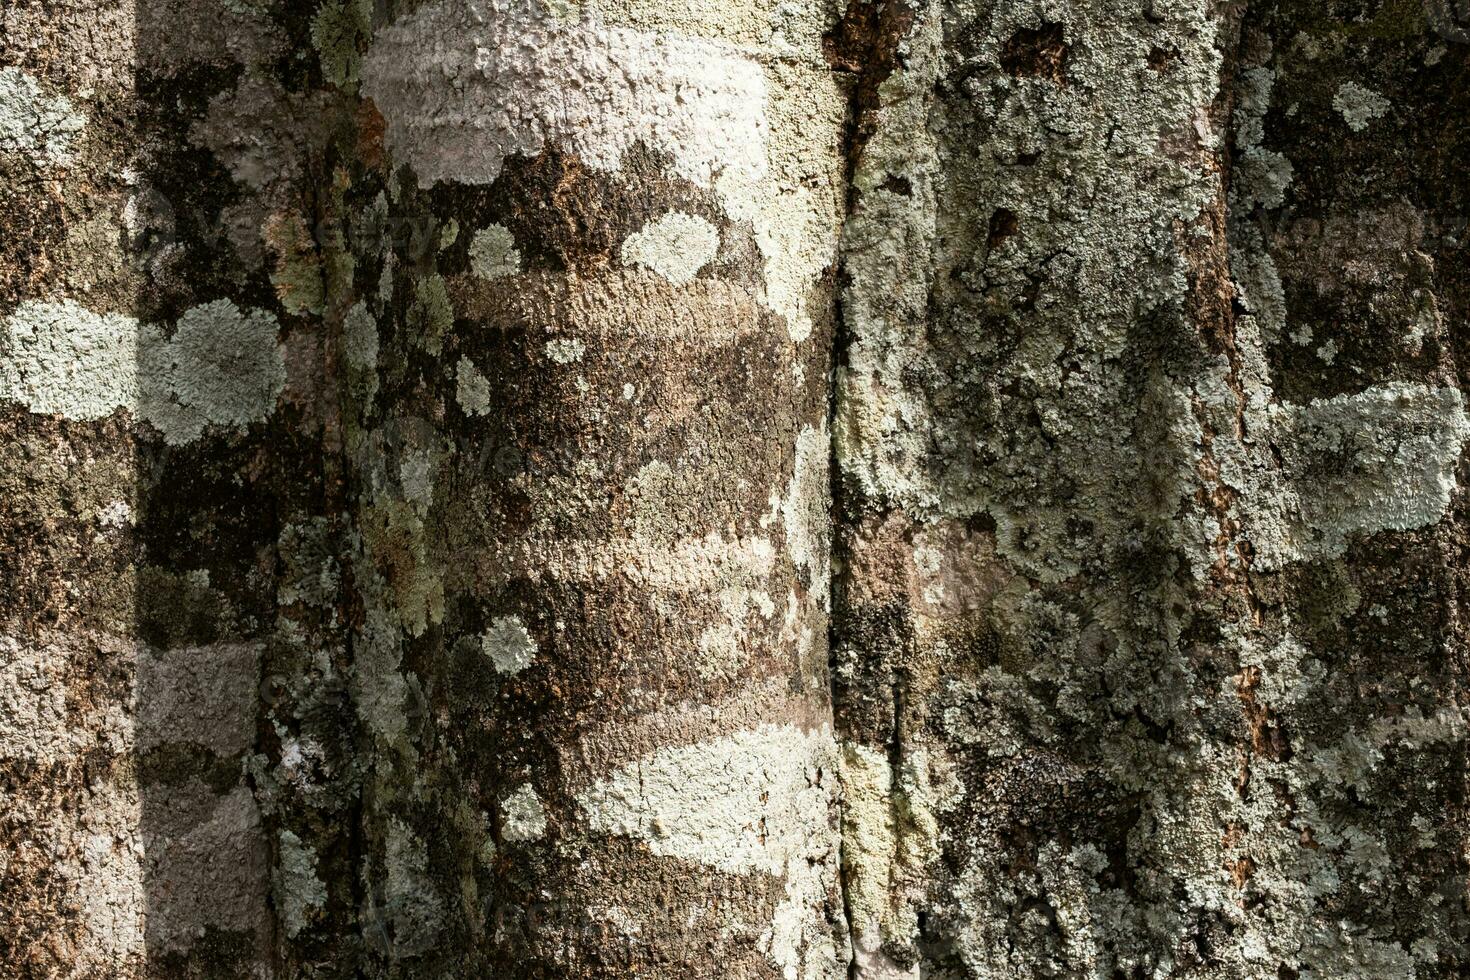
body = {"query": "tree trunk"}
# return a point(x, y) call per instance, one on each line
point(420, 549)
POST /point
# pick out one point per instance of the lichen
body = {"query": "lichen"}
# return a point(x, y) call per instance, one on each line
point(472, 388)
point(432, 314)
point(596, 90)
point(412, 905)
point(337, 30)
point(1359, 105)
point(890, 835)
point(509, 645)
point(222, 366)
point(299, 894)
point(360, 350)
point(297, 275)
point(805, 509)
point(1382, 459)
point(493, 254)
point(565, 350)
point(396, 540)
point(676, 246)
point(44, 128)
point(522, 817)
point(759, 801)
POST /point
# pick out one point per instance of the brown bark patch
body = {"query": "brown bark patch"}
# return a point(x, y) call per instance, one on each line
point(1038, 53)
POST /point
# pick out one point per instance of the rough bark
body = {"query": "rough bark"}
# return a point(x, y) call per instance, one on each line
point(1148, 644)
point(419, 550)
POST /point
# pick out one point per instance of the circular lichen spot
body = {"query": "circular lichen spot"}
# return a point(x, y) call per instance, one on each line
point(509, 645)
point(493, 254)
point(226, 363)
point(522, 817)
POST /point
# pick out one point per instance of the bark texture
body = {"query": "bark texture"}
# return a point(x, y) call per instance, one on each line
point(817, 489)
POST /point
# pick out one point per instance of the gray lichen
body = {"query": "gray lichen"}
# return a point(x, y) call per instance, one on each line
point(298, 892)
point(509, 645)
point(222, 366)
point(44, 128)
point(1359, 105)
point(493, 254)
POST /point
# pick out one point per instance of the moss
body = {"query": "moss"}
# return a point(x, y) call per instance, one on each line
point(338, 31)
point(432, 314)
point(297, 275)
point(395, 537)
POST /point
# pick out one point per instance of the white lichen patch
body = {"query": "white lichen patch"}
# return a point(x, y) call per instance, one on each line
point(676, 246)
point(1383, 459)
point(63, 359)
point(42, 127)
point(759, 801)
point(565, 350)
point(117, 514)
point(493, 253)
point(222, 366)
point(509, 645)
point(471, 388)
point(805, 510)
point(464, 85)
point(522, 817)
point(1359, 105)
point(741, 803)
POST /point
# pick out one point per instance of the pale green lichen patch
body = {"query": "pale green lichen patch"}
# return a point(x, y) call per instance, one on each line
point(890, 834)
point(676, 246)
point(742, 803)
point(1382, 459)
point(432, 313)
point(360, 349)
point(42, 127)
point(493, 254)
point(63, 359)
point(522, 817)
point(509, 645)
point(222, 366)
point(471, 388)
point(299, 893)
point(1359, 105)
point(565, 350)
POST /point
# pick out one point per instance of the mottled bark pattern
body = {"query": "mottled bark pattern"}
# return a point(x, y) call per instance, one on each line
point(419, 549)
point(1148, 641)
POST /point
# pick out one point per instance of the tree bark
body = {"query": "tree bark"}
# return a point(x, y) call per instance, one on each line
point(422, 556)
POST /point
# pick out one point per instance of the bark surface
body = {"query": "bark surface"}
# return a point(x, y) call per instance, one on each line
point(883, 489)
